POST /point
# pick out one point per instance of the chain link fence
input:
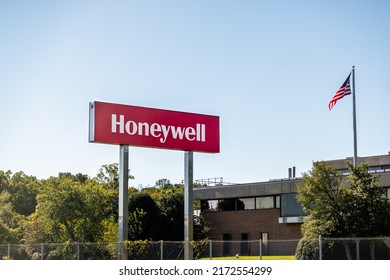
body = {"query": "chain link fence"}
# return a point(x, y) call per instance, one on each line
point(344, 249)
point(355, 249)
point(315, 249)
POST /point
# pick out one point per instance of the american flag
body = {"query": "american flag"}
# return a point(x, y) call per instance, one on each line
point(344, 90)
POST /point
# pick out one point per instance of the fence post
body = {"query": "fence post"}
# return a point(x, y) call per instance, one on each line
point(42, 251)
point(320, 247)
point(261, 249)
point(161, 249)
point(372, 249)
point(211, 249)
point(9, 251)
point(78, 251)
point(357, 249)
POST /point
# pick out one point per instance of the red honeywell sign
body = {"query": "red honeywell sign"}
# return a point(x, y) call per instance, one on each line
point(155, 128)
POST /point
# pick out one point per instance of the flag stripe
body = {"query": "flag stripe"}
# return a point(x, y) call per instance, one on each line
point(344, 90)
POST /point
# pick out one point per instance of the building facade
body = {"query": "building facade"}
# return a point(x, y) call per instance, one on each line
point(267, 210)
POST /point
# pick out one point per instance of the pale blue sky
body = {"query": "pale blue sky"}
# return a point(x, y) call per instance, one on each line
point(267, 68)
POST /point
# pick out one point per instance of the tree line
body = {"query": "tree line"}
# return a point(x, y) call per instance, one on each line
point(76, 208)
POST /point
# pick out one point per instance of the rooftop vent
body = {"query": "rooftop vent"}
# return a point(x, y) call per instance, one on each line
point(291, 172)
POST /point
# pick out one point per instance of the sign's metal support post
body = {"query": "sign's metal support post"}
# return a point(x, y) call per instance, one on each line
point(123, 219)
point(188, 211)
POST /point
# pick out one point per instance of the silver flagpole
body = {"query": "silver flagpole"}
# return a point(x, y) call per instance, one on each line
point(354, 118)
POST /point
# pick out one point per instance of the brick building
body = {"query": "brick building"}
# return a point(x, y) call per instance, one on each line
point(267, 210)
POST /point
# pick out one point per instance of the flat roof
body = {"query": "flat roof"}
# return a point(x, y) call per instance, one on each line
point(289, 185)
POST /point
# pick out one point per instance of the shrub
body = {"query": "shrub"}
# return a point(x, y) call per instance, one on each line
point(307, 249)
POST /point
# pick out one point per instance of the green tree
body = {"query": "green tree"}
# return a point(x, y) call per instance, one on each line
point(23, 190)
point(338, 206)
point(322, 197)
point(163, 183)
point(109, 174)
point(17, 200)
point(368, 208)
point(169, 222)
point(200, 229)
point(171, 205)
point(5, 177)
point(9, 220)
point(68, 210)
point(144, 218)
point(79, 177)
point(157, 213)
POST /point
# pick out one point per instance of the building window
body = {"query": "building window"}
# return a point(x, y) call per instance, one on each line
point(264, 202)
point(386, 167)
point(208, 205)
point(228, 204)
point(290, 207)
point(345, 172)
point(277, 201)
point(246, 203)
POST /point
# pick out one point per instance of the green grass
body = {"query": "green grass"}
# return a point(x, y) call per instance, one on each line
point(252, 258)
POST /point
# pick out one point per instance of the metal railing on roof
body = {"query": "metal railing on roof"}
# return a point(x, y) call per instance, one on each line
point(211, 182)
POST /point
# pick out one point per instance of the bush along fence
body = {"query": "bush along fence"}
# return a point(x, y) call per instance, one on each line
point(313, 249)
point(344, 249)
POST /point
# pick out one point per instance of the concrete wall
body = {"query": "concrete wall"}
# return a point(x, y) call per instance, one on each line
point(380, 160)
point(264, 188)
point(247, 190)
